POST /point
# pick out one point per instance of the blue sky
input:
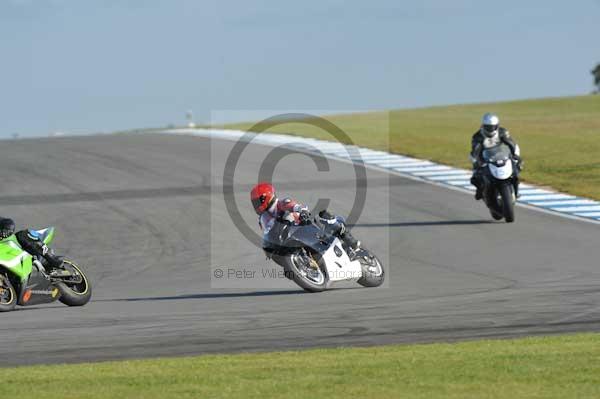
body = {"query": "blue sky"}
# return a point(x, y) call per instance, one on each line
point(85, 66)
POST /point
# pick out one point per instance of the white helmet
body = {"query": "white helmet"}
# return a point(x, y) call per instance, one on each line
point(489, 125)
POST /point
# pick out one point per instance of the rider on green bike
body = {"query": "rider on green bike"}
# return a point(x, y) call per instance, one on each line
point(30, 242)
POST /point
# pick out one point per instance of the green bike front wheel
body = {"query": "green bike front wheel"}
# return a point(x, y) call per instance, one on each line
point(8, 295)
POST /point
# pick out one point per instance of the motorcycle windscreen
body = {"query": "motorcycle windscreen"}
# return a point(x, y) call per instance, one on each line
point(497, 153)
point(501, 172)
point(46, 235)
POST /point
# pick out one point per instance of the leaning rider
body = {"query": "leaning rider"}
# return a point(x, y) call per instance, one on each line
point(30, 241)
point(491, 134)
point(269, 208)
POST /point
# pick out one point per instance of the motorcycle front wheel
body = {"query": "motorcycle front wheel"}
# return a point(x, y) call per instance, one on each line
point(304, 270)
point(8, 295)
point(373, 273)
point(508, 206)
point(76, 290)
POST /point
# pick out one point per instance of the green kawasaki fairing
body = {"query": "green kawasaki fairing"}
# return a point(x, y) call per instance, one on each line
point(19, 265)
point(26, 280)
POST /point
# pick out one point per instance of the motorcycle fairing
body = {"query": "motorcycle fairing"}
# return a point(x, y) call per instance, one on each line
point(33, 287)
point(338, 264)
point(14, 258)
point(285, 238)
point(37, 289)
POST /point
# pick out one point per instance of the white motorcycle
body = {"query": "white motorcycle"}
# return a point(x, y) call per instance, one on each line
point(314, 258)
point(500, 179)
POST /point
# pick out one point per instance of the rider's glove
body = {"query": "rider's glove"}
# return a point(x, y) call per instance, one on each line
point(519, 162)
point(287, 217)
point(304, 215)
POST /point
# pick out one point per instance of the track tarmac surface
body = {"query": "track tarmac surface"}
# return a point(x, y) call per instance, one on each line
point(145, 215)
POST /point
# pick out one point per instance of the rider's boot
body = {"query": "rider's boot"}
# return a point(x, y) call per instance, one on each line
point(53, 262)
point(352, 243)
point(31, 243)
point(478, 192)
point(340, 230)
point(477, 183)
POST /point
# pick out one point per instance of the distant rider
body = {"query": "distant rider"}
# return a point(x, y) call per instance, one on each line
point(270, 208)
point(30, 242)
point(491, 134)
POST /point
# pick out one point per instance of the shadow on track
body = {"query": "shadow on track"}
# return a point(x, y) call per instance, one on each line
point(222, 295)
point(432, 223)
point(180, 297)
point(207, 296)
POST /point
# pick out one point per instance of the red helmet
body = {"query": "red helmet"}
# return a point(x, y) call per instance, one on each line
point(262, 197)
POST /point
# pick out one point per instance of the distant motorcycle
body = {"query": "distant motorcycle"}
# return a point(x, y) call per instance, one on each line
point(500, 182)
point(314, 258)
point(25, 281)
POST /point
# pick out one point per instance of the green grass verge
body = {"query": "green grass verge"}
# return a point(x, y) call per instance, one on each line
point(559, 137)
point(542, 367)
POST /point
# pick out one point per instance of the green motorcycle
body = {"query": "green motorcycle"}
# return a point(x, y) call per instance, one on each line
point(24, 280)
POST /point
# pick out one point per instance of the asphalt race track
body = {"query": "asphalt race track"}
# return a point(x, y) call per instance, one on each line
point(145, 215)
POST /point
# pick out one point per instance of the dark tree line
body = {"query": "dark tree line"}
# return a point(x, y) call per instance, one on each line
point(596, 73)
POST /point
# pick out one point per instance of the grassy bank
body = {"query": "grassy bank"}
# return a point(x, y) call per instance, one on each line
point(543, 367)
point(559, 137)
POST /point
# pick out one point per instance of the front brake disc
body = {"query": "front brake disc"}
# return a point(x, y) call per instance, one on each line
point(312, 262)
